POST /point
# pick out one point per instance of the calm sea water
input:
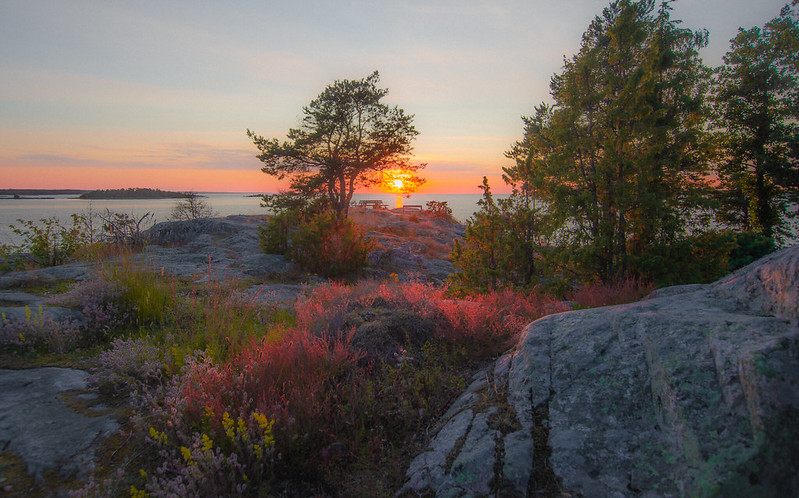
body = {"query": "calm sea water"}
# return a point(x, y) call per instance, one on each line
point(463, 206)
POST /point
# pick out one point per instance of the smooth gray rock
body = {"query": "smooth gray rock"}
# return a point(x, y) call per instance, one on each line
point(36, 425)
point(55, 314)
point(691, 391)
point(72, 271)
point(429, 470)
point(17, 298)
point(210, 249)
point(473, 468)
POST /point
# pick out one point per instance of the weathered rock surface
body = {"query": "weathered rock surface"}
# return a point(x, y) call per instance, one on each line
point(229, 248)
point(211, 249)
point(43, 276)
point(37, 424)
point(692, 391)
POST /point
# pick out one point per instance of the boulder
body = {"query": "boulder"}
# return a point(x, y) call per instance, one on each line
point(692, 391)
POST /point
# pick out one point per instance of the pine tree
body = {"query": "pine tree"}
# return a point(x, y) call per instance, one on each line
point(756, 95)
point(619, 158)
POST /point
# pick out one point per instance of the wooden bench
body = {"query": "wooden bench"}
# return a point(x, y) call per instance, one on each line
point(410, 208)
point(373, 204)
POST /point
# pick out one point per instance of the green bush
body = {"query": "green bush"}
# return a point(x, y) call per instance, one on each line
point(48, 243)
point(701, 258)
point(274, 235)
point(328, 246)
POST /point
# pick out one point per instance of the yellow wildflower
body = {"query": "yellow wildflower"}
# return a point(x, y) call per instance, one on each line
point(242, 429)
point(258, 451)
point(266, 425)
point(138, 493)
point(208, 443)
point(143, 472)
point(158, 437)
point(186, 454)
point(227, 423)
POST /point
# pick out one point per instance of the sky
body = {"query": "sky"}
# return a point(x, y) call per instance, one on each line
point(112, 94)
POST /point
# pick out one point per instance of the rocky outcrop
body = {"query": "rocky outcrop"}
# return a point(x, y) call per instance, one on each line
point(692, 391)
point(42, 420)
point(211, 249)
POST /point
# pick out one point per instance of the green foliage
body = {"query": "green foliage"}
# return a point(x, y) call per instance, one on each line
point(702, 258)
point(289, 210)
point(48, 243)
point(347, 138)
point(132, 193)
point(7, 257)
point(150, 295)
point(274, 234)
point(749, 247)
point(329, 246)
point(313, 236)
point(619, 158)
point(757, 109)
point(503, 245)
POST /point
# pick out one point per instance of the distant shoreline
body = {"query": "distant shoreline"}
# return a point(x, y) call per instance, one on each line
point(133, 193)
point(28, 193)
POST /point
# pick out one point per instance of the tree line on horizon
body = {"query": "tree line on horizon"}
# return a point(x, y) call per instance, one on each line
point(641, 150)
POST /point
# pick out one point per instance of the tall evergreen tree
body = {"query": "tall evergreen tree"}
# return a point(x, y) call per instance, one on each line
point(619, 157)
point(756, 95)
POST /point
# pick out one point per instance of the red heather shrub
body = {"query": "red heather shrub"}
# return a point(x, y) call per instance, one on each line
point(623, 291)
point(486, 321)
point(301, 378)
point(311, 386)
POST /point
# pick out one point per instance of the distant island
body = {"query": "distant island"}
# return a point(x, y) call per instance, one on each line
point(133, 193)
point(28, 193)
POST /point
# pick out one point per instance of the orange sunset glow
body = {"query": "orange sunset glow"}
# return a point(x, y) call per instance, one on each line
point(158, 102)
point(398, 181)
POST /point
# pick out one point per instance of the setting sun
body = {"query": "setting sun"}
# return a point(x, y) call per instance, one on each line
point(398, 181)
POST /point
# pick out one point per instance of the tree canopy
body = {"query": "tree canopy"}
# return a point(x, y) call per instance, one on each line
point(346, 139)
point(756, 99)
point(618, 159)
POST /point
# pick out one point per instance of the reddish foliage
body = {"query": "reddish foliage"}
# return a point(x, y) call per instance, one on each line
point(623, 291)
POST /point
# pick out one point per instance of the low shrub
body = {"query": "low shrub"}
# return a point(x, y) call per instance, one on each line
point(38, 332)
point(48, 243)
point(439, 210)
point(101, 301)
point(149, 295)
point(218, 319)
point(598, 294)
point(225, 453)
point(130, 365)
point(328, 246)
point(701, 258)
